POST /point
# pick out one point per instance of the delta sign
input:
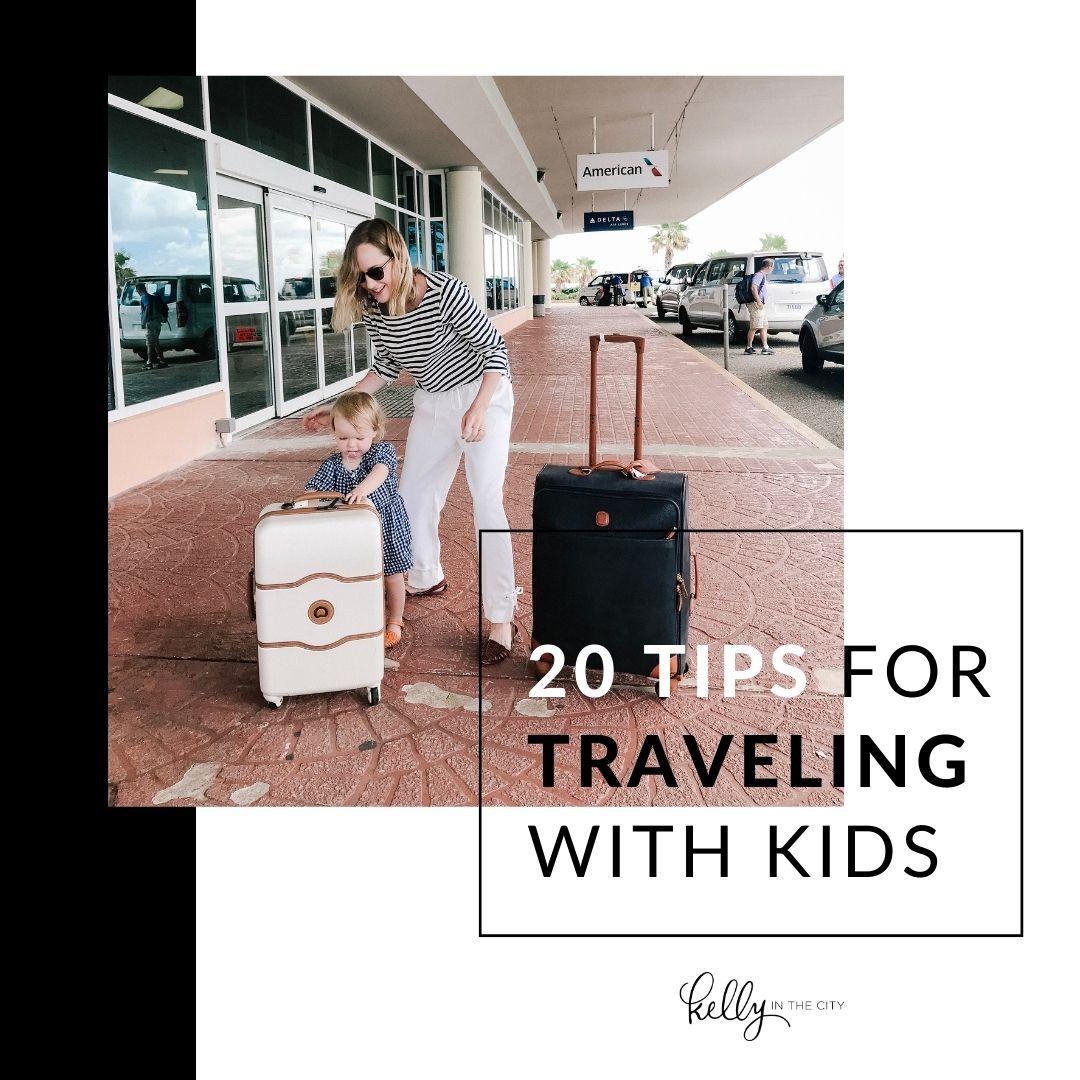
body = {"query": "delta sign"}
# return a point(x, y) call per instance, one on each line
point(637, 169)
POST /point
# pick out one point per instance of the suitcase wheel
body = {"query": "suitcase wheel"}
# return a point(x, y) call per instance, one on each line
point(374, 694)
point(675, 680)
point(273, 702)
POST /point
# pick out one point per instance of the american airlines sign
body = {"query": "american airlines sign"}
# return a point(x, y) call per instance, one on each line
point(601, 172)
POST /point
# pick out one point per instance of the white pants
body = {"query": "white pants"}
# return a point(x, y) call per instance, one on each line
point(432, 453)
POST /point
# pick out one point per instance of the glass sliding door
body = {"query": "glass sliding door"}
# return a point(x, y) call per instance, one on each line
point(245, 300)
point(307, 242)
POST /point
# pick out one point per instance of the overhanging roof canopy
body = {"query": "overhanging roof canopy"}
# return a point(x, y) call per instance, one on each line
point(720, 131)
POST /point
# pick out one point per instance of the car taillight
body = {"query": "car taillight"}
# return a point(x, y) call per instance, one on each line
point(181, 313)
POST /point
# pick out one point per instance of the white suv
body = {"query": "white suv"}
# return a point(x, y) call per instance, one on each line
point(794, 284)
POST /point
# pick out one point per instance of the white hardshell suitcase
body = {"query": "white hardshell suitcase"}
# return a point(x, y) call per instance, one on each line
point(317, 597)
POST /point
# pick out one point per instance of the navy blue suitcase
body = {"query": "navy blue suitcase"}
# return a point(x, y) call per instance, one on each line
point(611, 554)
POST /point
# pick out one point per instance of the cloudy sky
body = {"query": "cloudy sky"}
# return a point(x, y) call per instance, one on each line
point(800, 198)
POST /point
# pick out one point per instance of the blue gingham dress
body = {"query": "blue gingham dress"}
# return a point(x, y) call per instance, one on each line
point(397, 536)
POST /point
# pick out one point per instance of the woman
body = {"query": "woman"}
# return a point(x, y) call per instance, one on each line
point(429, 325)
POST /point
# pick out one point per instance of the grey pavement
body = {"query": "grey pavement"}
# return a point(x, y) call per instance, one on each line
point(816, 400)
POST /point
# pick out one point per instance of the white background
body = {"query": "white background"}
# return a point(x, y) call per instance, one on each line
point(334, 944)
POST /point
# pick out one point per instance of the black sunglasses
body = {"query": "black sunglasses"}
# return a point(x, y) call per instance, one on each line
point(375, 273)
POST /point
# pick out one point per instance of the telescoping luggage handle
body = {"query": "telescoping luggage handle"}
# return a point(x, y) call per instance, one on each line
point(639, 468)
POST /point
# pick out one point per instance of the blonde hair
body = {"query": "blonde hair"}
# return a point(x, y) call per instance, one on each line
point(352, 302)
point(358, 408)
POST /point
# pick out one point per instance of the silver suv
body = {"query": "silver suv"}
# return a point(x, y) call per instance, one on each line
point(669, 288)
point(795, 282)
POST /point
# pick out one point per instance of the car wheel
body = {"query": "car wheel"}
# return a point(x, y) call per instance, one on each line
point(812, 360)
point(687, 325)
point(206, 346)
point(140, 353)
point(735, 335)
point(660, 312)
point(584, 301)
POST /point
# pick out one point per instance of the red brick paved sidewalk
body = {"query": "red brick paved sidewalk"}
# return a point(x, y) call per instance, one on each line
point(187, 724)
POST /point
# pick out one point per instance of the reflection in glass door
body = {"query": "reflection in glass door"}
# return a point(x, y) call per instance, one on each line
point(307, 242)
point(242, 245)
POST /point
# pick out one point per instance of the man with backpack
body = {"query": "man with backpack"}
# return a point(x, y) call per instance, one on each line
point(756, 293)
point(154, 312)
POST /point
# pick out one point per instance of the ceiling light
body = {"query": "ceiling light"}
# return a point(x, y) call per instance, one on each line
point(163, 99)
point(170, 172)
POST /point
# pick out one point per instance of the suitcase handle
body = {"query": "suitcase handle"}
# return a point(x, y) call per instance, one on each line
point(290, 503)
point(594, 426)
point(251, 594)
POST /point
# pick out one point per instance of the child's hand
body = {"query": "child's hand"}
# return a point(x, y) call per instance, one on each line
point(355, 496)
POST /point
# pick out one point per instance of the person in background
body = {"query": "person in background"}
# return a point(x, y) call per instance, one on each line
point(758, 321)
point(153, 312)
point(645, 281)
point(838, 276)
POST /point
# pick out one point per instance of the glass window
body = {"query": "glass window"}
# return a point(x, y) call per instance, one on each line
point(438, 245)
point(178, 96)
point(386, 213)
point(248, 350)
point(329, 249)
point(489, 267)
point(299, 361)
point(435, 195)
point(382, 174)
point(699, 275)
point(341, 154)
point(337, 361)
point(713, 273)
point(261, 114)
point(406, 186)
point(794, 269)
point(489, 212)
point(292, 255)
point(161, 243)
point(411, 232)
point(243, 258)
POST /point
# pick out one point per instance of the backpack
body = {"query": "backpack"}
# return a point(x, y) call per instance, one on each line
point(159, 308)
point(743, 293)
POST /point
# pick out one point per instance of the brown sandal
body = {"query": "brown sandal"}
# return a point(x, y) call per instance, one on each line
point(435, 590)
point(392, 637)
point(495, 653)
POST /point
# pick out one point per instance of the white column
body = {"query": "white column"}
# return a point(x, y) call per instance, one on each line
point(542, 276)
point(527, 276)
point(465, 226)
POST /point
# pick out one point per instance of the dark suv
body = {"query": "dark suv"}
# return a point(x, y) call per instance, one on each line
point(671, 285)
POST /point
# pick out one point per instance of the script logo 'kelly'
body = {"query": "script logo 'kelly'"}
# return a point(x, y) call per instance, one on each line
point(736, 1003)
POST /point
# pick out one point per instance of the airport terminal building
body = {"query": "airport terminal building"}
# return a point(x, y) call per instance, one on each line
point(231, 197)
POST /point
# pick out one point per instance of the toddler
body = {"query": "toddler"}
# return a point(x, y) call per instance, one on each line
point(365, 468)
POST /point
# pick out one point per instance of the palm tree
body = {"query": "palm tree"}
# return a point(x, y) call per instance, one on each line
point(585, 268)
point(561, 272)
point(124, 273)
point(720, 253)
point(669, 237)
point(772, 242)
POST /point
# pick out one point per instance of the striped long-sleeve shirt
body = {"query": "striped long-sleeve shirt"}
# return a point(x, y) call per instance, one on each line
point(445, 342)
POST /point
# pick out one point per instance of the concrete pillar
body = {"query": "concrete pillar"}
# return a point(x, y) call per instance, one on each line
point(542, 276)
point(465, 228)
point(527, 276)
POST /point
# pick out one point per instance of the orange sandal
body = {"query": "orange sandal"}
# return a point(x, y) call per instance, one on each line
point(391, 636)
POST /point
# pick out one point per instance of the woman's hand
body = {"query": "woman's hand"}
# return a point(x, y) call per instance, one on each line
point(472, 423)
point(318, 419)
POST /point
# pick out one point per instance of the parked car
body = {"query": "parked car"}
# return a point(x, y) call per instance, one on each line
point(190, 298)
point(822, 335)
point(669, 288)
point(794, 284)
point(631, 280)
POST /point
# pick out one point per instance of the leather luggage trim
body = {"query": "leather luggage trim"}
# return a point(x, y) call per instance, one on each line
point(320, 510)
point(312, 577)
point(319, 648)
